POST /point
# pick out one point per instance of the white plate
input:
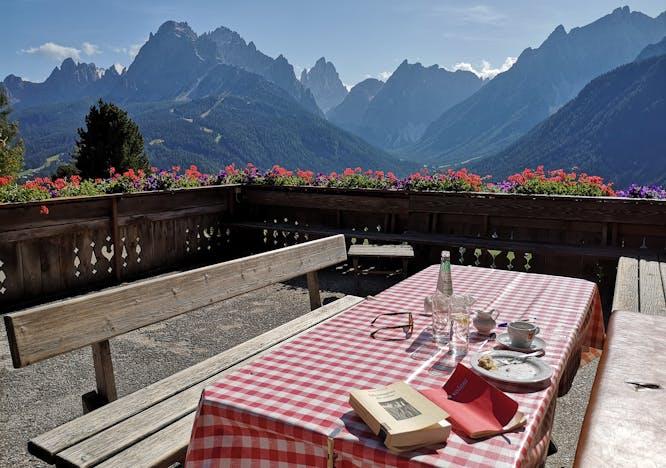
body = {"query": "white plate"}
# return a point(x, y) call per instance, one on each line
point(532, 371)
point(505, 340)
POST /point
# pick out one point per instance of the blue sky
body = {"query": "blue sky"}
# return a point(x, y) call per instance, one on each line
point(362, 38)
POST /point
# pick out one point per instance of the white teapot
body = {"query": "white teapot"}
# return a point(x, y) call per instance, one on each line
point(485, 321)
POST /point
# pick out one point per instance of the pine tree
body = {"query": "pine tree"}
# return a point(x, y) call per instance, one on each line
point(11, 147)
point(110, 139)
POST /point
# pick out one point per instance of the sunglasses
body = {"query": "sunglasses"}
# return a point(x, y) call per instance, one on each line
point(384, 332)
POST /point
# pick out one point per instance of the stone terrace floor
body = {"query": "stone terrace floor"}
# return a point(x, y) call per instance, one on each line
point(42, 396)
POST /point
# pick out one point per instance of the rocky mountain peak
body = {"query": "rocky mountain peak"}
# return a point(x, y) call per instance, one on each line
point(324, 83)
point(178, 29)
point(559, 31)
point(230, 48)
point(68, 66)
point(621, 11)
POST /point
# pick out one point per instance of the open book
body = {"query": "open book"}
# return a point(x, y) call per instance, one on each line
point(401, 416)
point(476, 408)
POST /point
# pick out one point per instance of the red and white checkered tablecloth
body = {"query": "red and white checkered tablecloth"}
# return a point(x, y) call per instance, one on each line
point(289, 407)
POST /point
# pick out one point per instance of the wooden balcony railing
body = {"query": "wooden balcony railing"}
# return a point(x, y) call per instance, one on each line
point(74, 247)
point(89, 242)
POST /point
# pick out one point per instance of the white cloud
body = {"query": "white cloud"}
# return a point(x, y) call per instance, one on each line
point(119, 68)
point(486, 71)
point(90, 49)
point(55, 51)
point(134, 49)
point(482, 14)
point(385, 75)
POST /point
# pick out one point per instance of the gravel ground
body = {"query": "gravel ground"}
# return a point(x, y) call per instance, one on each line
point(40, 397)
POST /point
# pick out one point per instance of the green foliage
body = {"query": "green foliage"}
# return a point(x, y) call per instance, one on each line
point(66, 170)
point(11, 147)
point(110, 139)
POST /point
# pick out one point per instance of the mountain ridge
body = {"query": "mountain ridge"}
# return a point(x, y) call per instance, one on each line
point(257, 109)
point(613, 128)
point(539, 83)
point(412, 97)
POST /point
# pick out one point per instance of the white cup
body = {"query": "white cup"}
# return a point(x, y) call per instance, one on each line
point(522, 333)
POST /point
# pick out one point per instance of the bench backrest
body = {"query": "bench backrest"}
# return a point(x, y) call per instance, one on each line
point(48, 330)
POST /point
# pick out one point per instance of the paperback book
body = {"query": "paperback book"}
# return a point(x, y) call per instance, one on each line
point(401, 416)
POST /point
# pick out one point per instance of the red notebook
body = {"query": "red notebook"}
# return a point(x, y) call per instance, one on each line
point(476, 408)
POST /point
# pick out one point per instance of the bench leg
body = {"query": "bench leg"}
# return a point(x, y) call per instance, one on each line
point(313, 289)
point(405, 264)
point(357, 283)
point(106, 382)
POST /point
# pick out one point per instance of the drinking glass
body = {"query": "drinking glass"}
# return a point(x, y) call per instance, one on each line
point(459, 323)
point(438, 305)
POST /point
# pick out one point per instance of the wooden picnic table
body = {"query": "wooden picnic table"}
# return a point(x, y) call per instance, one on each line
point(641, 285)
point(401, 252)
point(290, 405)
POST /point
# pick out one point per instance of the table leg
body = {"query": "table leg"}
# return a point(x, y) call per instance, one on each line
point(357, 284)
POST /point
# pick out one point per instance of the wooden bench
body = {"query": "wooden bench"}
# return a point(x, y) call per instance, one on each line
point(623, 426)
point(152, 426)
point(400, 252)
point(641, 285)
point(620, 427)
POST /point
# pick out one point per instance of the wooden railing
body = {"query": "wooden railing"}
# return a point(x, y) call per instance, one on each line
point(572, 236)
point(74, 246)
point(89, 242)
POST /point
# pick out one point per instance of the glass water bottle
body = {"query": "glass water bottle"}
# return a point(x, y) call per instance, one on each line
point(439, 304)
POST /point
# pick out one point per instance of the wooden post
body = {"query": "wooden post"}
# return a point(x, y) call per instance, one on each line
point(117, 243)
point(434, 220)
point(106, 382)
point(313, 288)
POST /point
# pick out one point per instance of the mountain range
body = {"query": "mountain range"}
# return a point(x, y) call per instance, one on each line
point(351, 110)
point(213, 99)
point(653, 50)
point(412, 97)
point(210, 99)
point(540, 82)
point(615, 128)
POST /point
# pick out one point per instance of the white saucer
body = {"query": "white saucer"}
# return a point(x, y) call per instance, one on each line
point(505, 340)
